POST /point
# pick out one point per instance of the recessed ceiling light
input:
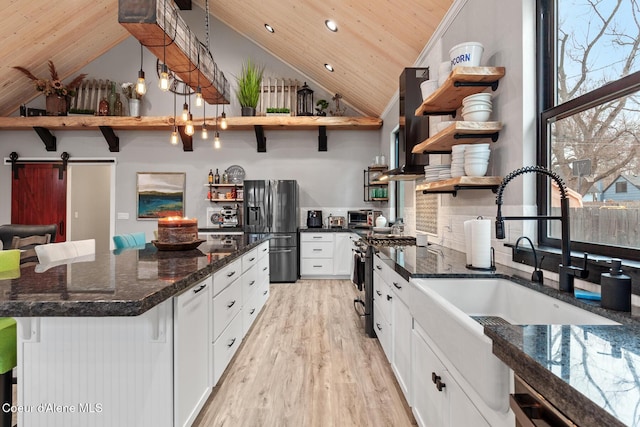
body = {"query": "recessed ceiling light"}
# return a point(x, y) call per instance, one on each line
point(329, 67)
point(269, 28)
point(331, 25)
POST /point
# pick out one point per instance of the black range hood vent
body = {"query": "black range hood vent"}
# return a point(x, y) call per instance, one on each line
point(412, 130)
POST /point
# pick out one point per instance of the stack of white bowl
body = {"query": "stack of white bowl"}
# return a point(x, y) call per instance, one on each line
point(432, 172)
point(457, 160)
point(476, 159)
point(427, 87)
point(477, 107)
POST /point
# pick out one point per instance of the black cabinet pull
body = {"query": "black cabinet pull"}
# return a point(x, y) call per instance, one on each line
point(253, 310)
point(378, 325)
point(251, 259)
point(195, 291)
point(265, 249)
point(378, 267)
point(434, 377)
point(231, 274)
point(252, 282)
point(389, 297)
point(264, 269)
point(396, 285)
point(232, 303)
point(265, 292)
point(440, 385)
point(232, 342)
point(379, 293)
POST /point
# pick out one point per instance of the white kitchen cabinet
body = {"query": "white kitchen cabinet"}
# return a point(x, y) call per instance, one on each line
point(326, 255)
point(438, 400)
point(226, 305)
point(401, 326)
point(226, 346)
point(383, 330)
point(343, 254)
point(191, 352)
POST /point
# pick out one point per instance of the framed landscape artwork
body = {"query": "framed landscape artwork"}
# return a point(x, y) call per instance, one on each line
point(160, 194)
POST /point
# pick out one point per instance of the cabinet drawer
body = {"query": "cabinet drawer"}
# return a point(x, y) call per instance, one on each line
point(263, 269)
point(379, 266)
point(249, 259)
point(226, 275)
point(250, 311)
point(383, 331)
point(398, 285)
point(316, 237)
point(249, 283)
point(383, 296)
point(225, 347)
point(316, 266)
point(317, 250)
point(225, 306)
point(263, 249)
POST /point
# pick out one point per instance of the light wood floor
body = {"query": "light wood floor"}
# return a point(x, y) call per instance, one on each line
point(307, 362)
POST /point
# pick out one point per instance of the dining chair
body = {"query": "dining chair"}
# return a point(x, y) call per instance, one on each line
point(9, 269)
point(129, 240)
point(27, 246)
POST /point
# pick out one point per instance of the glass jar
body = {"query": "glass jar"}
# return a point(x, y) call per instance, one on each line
point(112, 99)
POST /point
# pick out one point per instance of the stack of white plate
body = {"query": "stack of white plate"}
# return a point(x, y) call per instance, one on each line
point(432, 172)
point(476, 159)
point(477, 107)
point(457, 160)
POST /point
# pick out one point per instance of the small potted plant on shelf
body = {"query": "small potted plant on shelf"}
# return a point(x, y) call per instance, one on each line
point(321, 106)
point(133, 97)
point(248, 90)
point(278, 112)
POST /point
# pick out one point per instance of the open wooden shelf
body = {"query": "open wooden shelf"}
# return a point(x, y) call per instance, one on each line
point(462, 82)
point(460, 132)
point(43, 125)
point(452, 185)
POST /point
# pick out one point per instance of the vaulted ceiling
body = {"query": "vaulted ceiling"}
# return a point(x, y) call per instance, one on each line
point(375, 40)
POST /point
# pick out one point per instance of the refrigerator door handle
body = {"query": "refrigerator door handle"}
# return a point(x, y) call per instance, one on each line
point(281, 237)
point(279, 251)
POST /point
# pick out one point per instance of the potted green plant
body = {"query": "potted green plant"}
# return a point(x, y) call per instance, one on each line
point(248, 90)
point(321, 105)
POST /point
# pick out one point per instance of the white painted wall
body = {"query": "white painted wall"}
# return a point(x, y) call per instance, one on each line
point(331, 181)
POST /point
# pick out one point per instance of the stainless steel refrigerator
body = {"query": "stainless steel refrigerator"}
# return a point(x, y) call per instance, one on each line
point(271, 206)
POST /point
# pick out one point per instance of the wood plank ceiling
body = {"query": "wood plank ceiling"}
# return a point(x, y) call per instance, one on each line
point(375, 40)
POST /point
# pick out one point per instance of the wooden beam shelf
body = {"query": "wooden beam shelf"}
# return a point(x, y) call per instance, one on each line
point(43, 125)
point(452, 185)
point(462, 82)
point(460, 132)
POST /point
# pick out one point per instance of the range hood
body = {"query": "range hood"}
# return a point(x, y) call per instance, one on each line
point(412, 129)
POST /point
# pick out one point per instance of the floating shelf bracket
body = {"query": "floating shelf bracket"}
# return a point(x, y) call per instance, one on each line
point(261, 140)
point(187, 140)
point(456, 188)
point(492, 85)
point(322, 138)
point(47, 137)
point(111, 138)
point(494, 136)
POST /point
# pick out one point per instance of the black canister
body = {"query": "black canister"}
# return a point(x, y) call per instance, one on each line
point(616, 288)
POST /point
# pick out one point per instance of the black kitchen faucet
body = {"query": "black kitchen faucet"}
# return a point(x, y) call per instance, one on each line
point(566, 271)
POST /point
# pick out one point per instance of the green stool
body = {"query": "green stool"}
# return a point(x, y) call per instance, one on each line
point(8, 361)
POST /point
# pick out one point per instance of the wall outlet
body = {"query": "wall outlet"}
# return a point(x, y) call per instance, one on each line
point(123, 215)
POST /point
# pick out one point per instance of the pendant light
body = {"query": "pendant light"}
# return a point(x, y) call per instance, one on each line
point(174, 134)
point(188, 128)
point(216, 138)
point(185, 110)
point(205, 134)
point(141, 85)
point(163, 83)
point(223, 119)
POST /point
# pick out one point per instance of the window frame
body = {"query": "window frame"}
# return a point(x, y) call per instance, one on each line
point(548, 114)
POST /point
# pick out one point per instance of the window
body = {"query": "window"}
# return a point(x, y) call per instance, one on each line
point(621, 187)
point(589, 126)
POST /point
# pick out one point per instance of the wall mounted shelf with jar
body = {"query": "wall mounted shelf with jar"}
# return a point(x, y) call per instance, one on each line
point(374, 190)
point(219, 192)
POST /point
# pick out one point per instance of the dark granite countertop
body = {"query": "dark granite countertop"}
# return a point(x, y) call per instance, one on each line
point(590, 373)
point(118, 283)
point(333, 230)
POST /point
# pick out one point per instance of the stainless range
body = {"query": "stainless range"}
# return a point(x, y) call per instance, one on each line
point(365, 250)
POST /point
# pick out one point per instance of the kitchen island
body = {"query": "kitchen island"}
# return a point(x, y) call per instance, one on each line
point(589, 373)
point(127, 338)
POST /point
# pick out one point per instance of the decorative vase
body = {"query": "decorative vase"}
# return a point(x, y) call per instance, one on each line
point(112, 99)
point(57, 105)
point(248, 111)
point(119, 108)
point(134, 107)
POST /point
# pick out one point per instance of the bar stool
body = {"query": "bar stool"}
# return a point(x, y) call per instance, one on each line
point(129, 240)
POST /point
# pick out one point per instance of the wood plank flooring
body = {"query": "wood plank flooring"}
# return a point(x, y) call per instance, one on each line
point(307, 362)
